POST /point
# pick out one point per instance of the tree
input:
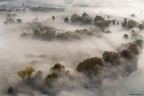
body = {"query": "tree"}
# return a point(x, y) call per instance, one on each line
point(109, 56)
point(10, 90)
point(27, 72)
point(22, 74)
point(75, 18)
point(85, 18)
point(141, 26)
point(133, 48)
point(19, 20)
point(124, 24)
point(131, 24)
point(58, 67)
point(90, 66)
point(126, 36)
point(98, 18)
point(66, 19)
point(36, 33)
point(101, 23)
point(50, 79)
point(126, 54)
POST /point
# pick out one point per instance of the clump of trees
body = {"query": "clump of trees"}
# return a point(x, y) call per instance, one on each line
point(85, 18)
point(48, 34)
point(26, 73)
point(90, 66)
point(129, 23)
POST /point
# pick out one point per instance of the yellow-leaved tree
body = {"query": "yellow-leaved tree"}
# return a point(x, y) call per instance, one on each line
point(26, 73)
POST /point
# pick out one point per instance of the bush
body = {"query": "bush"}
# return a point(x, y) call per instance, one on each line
point(90, 66)
point(131, 24)
point(110, 56)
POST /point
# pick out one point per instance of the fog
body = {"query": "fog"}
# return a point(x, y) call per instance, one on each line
point(17, 52)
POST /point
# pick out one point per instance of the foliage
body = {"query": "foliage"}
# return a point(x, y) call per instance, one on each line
point(22, 74)
point(131, 24)
point(66, 19)
point(126, 36)
point(125, 22)
point(90, 66)
point(19, 20)
point(97, 18)
point(27, 72)
point(67, 36)
point(126, 54)
point(51, 78)
point(85, 18)
point(75, 18)
point(10, 90)
point(101, 23)
point(141, 26)
point(109, 56)
point(133, 48)
point(58, 67)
